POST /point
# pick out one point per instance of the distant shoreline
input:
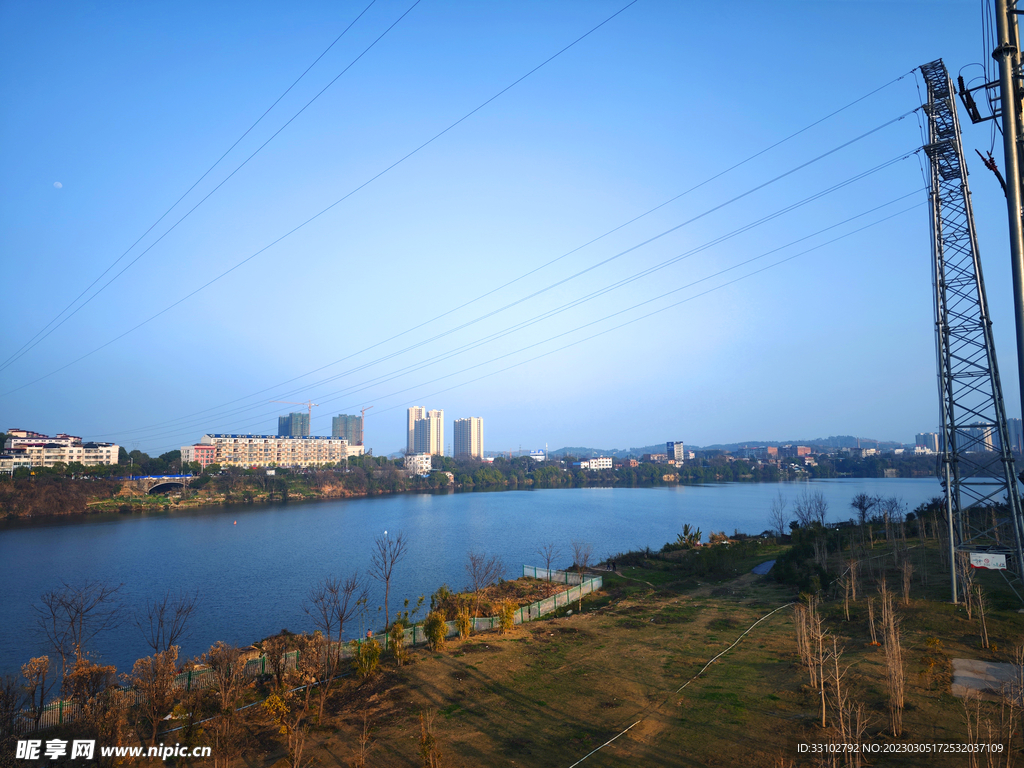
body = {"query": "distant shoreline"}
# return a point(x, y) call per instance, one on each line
point(113, 509)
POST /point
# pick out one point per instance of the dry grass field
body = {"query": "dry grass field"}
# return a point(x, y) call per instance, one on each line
point(556, 689)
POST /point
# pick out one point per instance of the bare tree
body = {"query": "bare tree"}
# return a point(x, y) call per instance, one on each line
point(72, 615)
point(582, 552)
point(332, 603)
point(895, 673)
point(365, 744)
point(549, 552)
point(289, 711)
point(12, 699)
point(274, 650)
point(778, 519)
point(153, 677)
point(818, 507)
point(228, 670)
point(810, 508)
point(163, 621)
point(981, 604)
point(38, 684)
point(893, 508)
point(483, 571)
point(863, 503)
point(386, 553)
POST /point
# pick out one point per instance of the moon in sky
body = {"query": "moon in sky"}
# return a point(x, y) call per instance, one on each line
point(57, 185)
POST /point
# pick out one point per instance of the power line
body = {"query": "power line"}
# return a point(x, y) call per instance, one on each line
point(412, 368)
point(648, 315)
point(576, 249)
point(325, 210)
point(423, 342)
point(617, 327)
point(25, 347)
point(685, 223)
point(180, 429)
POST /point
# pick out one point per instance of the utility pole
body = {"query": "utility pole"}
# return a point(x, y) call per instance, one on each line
point(1007, 54)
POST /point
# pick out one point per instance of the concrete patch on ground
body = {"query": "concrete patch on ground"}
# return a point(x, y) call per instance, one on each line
point(987, 678)
point(763, 568)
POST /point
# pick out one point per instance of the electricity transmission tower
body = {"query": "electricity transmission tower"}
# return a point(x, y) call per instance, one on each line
point(982, 500)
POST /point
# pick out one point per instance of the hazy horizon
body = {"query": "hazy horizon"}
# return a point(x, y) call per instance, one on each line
point(467, 277)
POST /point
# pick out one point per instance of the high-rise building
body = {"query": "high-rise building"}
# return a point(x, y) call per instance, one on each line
point(982, 437)
point(348, 427)
point(428, 433)
point(469, 438)
point(293, 425)
point(415, 413)
point(928, 441)
point(675, 451)
point(1016, 430)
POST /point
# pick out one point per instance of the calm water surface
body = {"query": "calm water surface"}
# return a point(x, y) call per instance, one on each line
point(252, 576)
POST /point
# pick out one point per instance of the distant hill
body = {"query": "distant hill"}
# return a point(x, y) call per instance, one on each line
point(834, 441)
point(823, 443)
point(616, 453)
point(585, 452)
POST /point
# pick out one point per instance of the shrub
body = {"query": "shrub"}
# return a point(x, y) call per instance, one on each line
point(464, 622)
point(367, 656)
point(446, 602)
point(506, 616)
point(396, 639)
point(436, 630)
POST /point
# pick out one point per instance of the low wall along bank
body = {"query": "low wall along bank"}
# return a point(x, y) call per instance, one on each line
point(66, 711)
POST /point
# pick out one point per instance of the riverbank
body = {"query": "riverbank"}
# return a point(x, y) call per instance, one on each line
point(253, 565)
point(683, 658)
point(52, 492)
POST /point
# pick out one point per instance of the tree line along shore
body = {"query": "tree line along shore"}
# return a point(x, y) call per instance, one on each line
point(75, 489)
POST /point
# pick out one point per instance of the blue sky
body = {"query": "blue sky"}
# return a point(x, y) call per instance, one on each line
point(127, 105)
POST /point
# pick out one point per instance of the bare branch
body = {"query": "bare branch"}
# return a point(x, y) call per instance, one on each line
point(483, 571)
point(582, 553)
point(71, 616)
point(163, 622)
point(386, 553)
point(778, 519)
point(549, 552)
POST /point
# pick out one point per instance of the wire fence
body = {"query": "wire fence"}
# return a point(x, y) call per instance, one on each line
point(565, 577)
point(64, 711)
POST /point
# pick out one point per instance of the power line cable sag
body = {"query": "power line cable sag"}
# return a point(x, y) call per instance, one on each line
point(348, 391)
point(14, 356)
point(595, 294)
point(621, 325)
point(317, 215)
point(558, 258)
point(637, 319)
point(645, 272)
point(672, 229)
point(547, 314)
point(552, 261)
point(448, 354)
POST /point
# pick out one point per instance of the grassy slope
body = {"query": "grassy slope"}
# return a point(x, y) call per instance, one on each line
point(558, 688)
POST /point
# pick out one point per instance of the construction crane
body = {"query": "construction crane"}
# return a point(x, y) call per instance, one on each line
point(309, 408)
point(362, 425)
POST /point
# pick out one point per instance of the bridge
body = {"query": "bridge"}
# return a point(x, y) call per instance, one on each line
point(157, 484)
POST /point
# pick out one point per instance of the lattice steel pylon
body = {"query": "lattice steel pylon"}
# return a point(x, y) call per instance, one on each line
point(982, 498)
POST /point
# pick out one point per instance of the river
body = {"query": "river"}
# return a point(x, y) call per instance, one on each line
point(253, 565)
